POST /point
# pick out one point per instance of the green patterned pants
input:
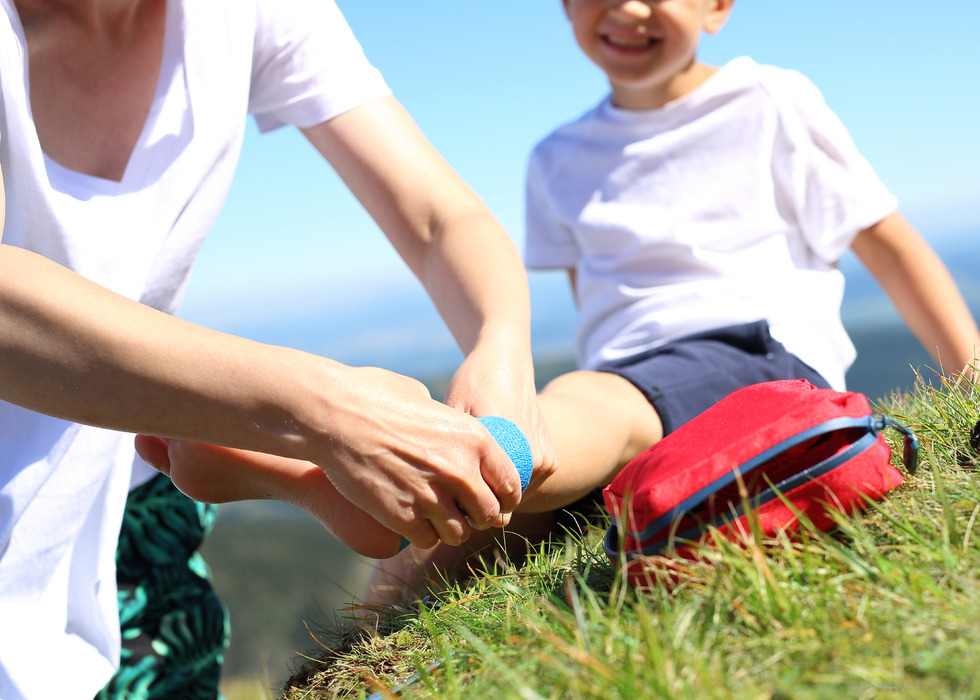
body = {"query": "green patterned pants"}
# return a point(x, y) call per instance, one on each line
point(174, 627)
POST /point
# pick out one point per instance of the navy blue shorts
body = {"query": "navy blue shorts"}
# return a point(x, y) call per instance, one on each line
point(686, 376)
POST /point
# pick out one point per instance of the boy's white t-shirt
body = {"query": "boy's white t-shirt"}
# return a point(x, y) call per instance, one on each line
point(729, 205)
point(63, 486)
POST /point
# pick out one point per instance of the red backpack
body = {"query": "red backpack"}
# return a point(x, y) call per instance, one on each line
point(794, 447)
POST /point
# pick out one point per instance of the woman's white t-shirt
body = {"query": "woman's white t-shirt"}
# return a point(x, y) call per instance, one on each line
point(729, 205)
point(63, 486)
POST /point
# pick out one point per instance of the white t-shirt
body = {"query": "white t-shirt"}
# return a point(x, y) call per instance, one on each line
point(731, 204)
point(63, 486)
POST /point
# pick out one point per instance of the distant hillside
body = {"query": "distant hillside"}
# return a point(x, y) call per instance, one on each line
point(277, 570)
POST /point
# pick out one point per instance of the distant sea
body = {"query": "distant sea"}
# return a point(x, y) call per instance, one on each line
point(401, 330)
point(888, 355)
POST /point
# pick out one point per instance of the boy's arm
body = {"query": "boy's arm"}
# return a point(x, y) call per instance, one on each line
point(922, 290)
point(466, 261)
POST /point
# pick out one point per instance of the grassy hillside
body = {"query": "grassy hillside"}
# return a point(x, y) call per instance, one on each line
point(887, 606)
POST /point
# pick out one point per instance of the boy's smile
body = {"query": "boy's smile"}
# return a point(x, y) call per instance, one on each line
point(629, 43)
point(630, 26)
point(646, 48)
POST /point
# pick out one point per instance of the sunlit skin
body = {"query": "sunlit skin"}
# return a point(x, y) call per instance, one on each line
point(215, 474)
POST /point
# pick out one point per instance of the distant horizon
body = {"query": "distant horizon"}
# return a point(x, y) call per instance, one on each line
point(401, 331)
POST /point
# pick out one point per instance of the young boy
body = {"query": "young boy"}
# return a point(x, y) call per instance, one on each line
point(700, 213)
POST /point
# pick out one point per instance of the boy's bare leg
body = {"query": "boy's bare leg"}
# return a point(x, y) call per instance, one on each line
point(214, 474)
point(597, 423)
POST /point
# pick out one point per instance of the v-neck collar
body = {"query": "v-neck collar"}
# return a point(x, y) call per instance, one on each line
point(172, 70)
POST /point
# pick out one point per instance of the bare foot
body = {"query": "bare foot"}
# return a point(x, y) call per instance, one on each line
point(214, 474)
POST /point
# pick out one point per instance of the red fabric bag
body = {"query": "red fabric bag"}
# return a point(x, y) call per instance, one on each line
point(793, 446)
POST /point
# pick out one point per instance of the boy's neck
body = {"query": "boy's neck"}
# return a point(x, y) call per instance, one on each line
point(645, 97)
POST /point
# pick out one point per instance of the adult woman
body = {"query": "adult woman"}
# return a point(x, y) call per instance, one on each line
point(120, 126)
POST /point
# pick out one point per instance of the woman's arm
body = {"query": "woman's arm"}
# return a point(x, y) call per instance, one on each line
point(450, 240)
point(923, 291)
point(75, 350)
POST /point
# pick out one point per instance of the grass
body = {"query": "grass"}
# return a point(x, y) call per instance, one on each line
point(885, 606)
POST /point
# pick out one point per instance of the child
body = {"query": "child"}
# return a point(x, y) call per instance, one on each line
point(700, 213)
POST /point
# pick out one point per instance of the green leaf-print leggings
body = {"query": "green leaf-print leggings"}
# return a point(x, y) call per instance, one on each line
point(174, 627)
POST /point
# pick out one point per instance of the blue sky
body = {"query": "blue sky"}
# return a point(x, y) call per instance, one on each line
point(293, 259)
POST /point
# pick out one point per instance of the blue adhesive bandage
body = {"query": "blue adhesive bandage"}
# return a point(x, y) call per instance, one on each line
point(509, 437)
point(513, 442)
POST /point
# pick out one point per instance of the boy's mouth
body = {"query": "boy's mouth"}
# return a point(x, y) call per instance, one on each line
point(633, 42)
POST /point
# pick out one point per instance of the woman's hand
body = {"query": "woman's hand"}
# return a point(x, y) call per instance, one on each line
point(423, 469)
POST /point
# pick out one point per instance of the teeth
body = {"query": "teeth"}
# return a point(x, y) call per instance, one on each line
point(627, 43)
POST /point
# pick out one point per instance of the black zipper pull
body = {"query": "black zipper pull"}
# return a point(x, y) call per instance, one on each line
point(910, 446)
